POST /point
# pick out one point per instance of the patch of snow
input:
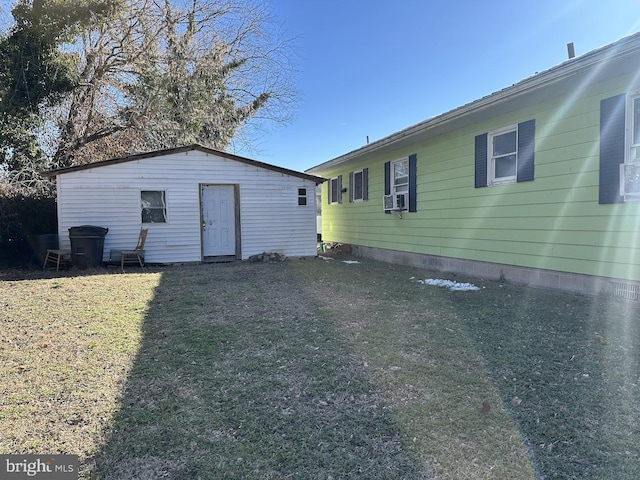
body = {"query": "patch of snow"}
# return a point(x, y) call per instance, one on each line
point(350, 261)
point(325, 258)
point(450, 284)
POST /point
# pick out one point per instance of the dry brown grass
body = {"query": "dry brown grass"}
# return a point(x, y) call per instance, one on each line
point(433, 381)
point(68, 344)
point(305, 369)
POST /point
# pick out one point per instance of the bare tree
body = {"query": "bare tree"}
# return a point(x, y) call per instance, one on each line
point(167, 73)
point(95, 113)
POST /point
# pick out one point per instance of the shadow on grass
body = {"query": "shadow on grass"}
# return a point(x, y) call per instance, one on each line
point(574, 362)
point(36, 272)
point(236, 378)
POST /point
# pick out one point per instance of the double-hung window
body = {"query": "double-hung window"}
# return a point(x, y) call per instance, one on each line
point(503, 156)
point(400, 185)
point(358, 185)
point(154, 206)
point(633, 129)
point(400, 182)
point(335, 190)
point(619, 173)
point(630, 169)
point(302, 196)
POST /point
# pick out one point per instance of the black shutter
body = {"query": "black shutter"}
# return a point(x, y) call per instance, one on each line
point(329, 192)
point(481, 161)
point(387, 180)
point(612, 131)
point(350, 187)
point(526, 150)
point(413, 182)
point(339, 188)
point(365, 184)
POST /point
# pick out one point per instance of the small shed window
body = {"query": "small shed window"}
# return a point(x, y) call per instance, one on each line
point(302, 196)
point(154, 207)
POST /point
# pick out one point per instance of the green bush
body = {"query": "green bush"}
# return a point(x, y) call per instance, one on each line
point(21, 218)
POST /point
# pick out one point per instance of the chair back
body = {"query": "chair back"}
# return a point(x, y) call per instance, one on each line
point(142, 238)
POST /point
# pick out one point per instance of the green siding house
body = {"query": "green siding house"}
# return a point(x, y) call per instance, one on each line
point(537, 183)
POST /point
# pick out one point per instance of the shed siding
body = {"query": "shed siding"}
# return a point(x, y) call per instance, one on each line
point(553, 222)
point(109, 196)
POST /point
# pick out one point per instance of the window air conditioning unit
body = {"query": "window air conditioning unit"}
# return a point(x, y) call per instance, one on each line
point(387, 201)
point(396, 202)
point(630, 181)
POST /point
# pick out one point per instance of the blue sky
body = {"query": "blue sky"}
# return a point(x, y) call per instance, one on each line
point(372, 68)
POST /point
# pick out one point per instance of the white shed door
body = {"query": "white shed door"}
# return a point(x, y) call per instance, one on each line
point(218, 220)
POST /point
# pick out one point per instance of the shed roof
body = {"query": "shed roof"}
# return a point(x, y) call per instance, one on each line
point(596, 63)
point(186, 148)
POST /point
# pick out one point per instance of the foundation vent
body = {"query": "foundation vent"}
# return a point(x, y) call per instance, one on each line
point(630, 291)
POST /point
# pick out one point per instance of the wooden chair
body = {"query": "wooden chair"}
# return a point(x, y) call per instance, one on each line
point(138, 252)
point(58, 257)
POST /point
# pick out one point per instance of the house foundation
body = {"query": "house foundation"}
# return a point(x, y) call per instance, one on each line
point(534, 277)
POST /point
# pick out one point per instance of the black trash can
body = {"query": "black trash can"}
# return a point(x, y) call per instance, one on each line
point(87, 245)
point(41, 243)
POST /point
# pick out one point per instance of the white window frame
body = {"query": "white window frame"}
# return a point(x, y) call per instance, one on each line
point(303, 199)
point(162, 207)
point(334, 200)
point(630, 142)
point(631, 165)
point(355, 189)
point(400, 191)
point(630, 169)
point(491, 158)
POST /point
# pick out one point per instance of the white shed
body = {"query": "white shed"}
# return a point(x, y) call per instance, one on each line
point(198, 204)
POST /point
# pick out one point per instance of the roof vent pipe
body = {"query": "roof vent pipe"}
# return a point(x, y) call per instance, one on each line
point(570, 50)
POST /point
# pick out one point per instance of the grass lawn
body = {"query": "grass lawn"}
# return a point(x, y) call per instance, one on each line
point(316, 369)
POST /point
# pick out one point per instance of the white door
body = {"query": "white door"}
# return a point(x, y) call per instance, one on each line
point(218, 220)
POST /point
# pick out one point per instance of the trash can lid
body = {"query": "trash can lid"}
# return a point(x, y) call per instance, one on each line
point(88, 230)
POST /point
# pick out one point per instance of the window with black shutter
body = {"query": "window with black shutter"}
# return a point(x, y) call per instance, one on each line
point(505, 155)
point(400, 185)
